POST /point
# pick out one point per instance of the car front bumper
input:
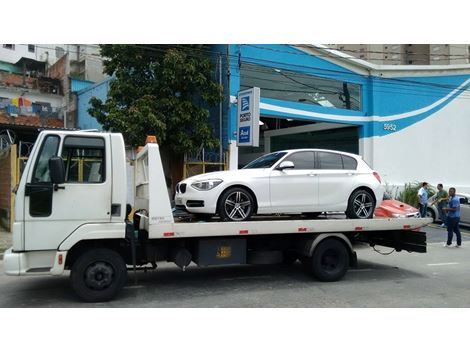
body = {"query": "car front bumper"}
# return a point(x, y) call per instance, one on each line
point(198, 202)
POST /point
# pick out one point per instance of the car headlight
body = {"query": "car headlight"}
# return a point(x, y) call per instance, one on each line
point(206, 185)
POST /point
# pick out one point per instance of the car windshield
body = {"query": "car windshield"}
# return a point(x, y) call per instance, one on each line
point(265, 161)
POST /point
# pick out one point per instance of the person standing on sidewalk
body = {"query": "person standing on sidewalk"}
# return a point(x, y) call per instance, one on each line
point(453, 218)
point(423, 199)
point(441, 198)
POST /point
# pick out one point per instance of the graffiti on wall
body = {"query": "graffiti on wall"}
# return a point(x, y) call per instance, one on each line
point(23, 106)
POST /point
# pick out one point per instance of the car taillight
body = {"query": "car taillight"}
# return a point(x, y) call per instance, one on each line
point(377, 176)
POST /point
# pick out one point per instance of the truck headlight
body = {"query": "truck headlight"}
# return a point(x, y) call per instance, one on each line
point(206, 185)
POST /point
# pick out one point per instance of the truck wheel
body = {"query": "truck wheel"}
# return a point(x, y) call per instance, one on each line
point(236, 204)
point(98, 275)
point(330, 260)
point(361, 205)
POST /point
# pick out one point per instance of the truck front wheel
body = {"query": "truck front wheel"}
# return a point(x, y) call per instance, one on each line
point(330, 260)
point(98, 275)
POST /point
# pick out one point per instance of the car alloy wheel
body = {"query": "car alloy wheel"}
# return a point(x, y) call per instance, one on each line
point(236, 204)
point(361, 205)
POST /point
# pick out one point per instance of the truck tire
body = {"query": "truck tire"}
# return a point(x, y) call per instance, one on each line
point(330, 260)
point(98, 275)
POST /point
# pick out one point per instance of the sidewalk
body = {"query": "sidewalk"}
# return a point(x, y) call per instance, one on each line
point(5, 241)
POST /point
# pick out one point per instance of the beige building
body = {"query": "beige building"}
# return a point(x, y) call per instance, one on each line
point(408, 54)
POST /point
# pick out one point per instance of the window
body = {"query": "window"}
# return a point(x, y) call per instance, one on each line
point(41, 171)
point(84, 159)
point(302, 160)
point(9, 46)
point(59, 52)
point(40, 188)
point(300, 87)
point(265, 161)
point(31, 48)
point(349, 163)
point(330, 161)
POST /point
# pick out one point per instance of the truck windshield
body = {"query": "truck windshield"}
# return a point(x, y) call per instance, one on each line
point(265, 161)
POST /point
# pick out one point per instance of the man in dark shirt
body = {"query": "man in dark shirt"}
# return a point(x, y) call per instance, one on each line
point(453, 218)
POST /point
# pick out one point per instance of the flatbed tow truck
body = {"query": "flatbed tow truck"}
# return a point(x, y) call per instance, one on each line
point(71, 215)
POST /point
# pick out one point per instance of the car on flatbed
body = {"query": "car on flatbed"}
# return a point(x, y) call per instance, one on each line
point(308, 181)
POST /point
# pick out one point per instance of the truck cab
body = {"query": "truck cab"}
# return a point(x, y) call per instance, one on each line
point(90, 199)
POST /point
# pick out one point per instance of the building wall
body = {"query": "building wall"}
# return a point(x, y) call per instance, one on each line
point(85, 120)
point(408, 54)
point(42, 52)
point(406, 124)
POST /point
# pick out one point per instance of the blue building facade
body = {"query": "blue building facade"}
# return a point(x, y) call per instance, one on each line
point(396, 116)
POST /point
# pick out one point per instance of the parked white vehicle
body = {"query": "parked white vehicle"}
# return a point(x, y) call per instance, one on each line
point(307, 181)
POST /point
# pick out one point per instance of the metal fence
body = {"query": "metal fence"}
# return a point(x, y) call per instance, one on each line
point(204, 161)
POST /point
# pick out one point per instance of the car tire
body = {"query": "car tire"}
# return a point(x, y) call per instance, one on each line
point(431, 214)
point(98, 275)
point(361, 205)
point(329, 261)
point(236, 204)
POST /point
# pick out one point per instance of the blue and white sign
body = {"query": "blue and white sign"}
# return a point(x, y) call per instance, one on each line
point(248, 117)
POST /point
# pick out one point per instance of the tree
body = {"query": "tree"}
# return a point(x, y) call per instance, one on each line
point(162, 90)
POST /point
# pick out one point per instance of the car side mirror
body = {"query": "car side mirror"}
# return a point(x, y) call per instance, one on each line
point(286, 165)
point(463, 201)
point(57, 170)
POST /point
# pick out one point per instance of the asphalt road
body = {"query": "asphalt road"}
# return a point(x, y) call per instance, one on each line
point(438, 278)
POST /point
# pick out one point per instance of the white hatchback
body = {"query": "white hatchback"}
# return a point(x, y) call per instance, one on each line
point(307, 181)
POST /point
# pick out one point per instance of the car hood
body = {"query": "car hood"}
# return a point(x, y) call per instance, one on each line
point(226, 175)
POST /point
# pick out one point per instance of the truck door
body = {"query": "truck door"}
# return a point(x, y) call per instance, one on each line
point(51, 215)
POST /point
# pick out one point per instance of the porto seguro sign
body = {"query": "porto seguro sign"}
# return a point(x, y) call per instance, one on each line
point(248, 117)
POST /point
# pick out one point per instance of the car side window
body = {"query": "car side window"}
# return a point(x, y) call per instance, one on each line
point(49, 149)
point(302, 160)
point(330, 161)
point(84, 159)
point(349, 163)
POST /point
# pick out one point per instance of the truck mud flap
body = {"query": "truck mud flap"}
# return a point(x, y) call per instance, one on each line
point(411, 241)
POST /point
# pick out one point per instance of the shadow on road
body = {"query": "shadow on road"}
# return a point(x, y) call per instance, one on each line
point(168, 286)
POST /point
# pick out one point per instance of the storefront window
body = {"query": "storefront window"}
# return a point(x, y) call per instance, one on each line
point(297, 87)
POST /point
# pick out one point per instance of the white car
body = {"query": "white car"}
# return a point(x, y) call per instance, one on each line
point(308, 181)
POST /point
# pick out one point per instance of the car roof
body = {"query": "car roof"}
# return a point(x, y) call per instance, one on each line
point(319, 150)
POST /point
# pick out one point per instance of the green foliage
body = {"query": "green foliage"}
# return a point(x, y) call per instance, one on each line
point(409, 195)
point(159, 90)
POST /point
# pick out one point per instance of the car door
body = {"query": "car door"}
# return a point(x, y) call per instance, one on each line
point(464, 209)
point(51, 214)
point(336, 178)
point(295, 190)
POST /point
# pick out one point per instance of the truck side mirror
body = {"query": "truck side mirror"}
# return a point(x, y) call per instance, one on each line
point(57, 170)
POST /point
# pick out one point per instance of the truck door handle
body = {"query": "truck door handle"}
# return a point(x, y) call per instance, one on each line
point(57, 187)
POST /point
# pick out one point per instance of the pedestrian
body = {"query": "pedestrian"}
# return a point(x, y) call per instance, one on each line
point(453, 219)
point(441, 198)
point(423, 199)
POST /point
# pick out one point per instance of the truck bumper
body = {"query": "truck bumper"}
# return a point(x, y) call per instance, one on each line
point(33, 263)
